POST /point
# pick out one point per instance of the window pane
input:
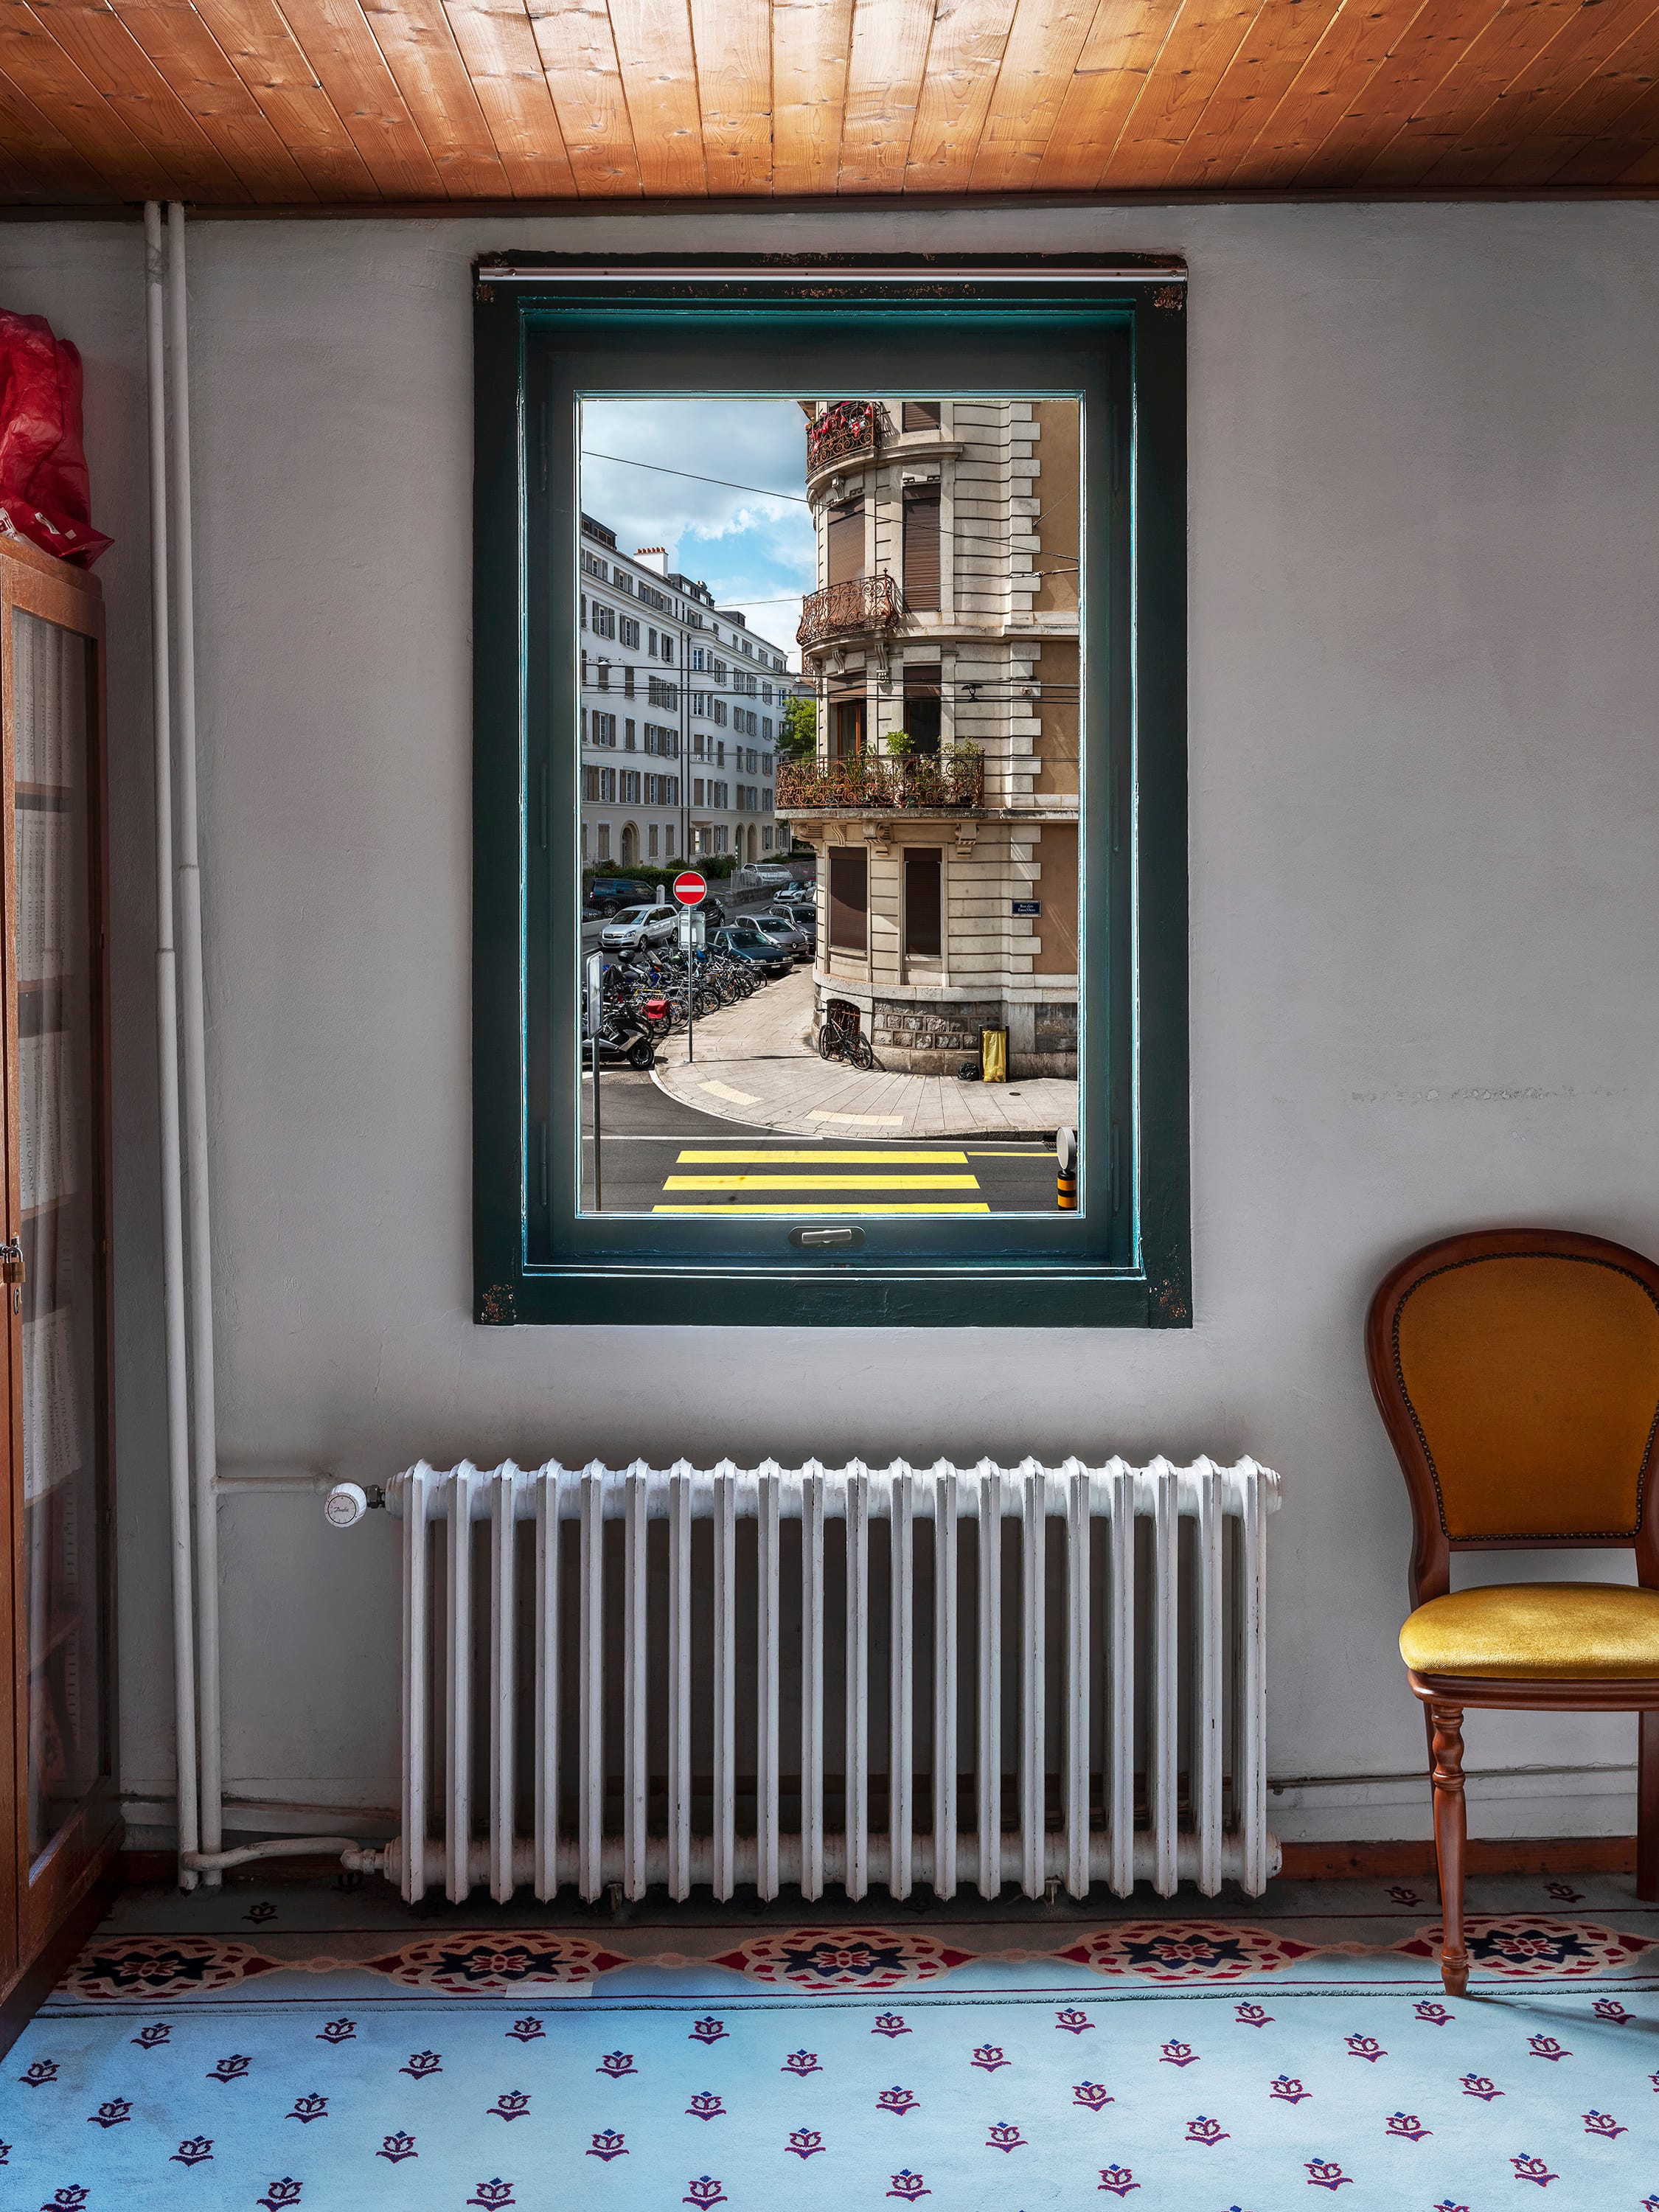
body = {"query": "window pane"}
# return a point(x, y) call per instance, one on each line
point(62, 1538)
point(912, 622)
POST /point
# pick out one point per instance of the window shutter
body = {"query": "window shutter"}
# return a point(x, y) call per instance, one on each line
point(919, 415)
point(849, 899)
point(921, 900)
point(921, 548)
point(846, 536)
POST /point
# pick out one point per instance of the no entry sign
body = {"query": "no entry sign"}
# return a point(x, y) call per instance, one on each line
point(690, 889)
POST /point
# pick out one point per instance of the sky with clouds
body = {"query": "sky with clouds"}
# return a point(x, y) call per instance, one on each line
point(753, 547)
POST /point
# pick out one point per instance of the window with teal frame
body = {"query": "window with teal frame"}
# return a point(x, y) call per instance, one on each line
point(980, 793)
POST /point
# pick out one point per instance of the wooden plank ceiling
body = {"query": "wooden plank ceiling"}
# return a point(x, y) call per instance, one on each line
point(239, 103)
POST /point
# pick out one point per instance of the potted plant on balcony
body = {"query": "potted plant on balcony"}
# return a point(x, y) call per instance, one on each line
point(964, 764)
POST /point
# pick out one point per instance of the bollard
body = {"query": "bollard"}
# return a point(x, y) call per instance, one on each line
point(1065, 1170)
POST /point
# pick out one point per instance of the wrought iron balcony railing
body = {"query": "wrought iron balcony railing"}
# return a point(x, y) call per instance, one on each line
point(867, 603)
point(929, 782)
point(848, 431)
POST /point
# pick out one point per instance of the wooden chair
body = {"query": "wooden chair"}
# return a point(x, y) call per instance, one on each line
point(1517, 1373)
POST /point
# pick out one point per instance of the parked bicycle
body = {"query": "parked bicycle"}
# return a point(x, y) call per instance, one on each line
point(841, 1037)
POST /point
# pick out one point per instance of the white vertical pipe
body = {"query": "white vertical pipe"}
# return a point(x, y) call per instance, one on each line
point(590, 1747)
point(635, 1682)
point(205, 1424)
point(503, 1688)
point(417, 1629)
point(1163, 1779)
point(1251, 1753)
point(547, 1683)
point(1033, 1719)
point(725, 1669)
point(901, 1675)
point(679, 1681)
point(989, 1758)
point(1120, 1632)
point(766, 1688)
point(812, 1681)
point(945, 1680)
point(458, 1731)
point(187, 1749)
point(856, 1879)
point(1077, 1677)
point(1206, 1680)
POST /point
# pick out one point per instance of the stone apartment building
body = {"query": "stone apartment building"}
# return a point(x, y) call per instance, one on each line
point(680, 707)
point(943, 804)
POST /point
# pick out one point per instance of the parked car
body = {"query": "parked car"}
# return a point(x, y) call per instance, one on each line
point(794, 940)
point(799, 893)
point(741, 941)
point(639, 925)
point(609, 893)
point(767, 875)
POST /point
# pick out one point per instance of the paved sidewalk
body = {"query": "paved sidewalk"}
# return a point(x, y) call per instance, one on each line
point(755, 1063)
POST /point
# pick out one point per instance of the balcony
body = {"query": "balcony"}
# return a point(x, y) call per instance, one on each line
point(929, 783)
point(865, 603)
point(847, 433)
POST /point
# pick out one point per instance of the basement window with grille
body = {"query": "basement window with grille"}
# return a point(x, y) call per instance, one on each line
point(944, 502)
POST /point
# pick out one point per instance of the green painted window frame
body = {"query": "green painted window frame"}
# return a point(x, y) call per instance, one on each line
point(547, 327)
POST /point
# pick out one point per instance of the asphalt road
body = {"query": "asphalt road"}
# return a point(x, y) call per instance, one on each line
point(660, 1155)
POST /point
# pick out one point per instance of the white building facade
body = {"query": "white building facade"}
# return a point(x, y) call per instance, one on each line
point(943, 803)
point(681, 704)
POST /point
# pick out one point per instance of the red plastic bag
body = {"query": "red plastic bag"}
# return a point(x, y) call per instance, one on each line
point(44, 492)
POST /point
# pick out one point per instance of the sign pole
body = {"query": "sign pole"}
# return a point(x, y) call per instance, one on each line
point(595, 1023)
point(690, 891)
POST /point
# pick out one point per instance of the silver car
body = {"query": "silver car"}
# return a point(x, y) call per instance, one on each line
point(639, 925)
point(784, 933)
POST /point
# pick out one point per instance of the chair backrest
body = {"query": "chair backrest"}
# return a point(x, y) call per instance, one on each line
point(1517, 1373)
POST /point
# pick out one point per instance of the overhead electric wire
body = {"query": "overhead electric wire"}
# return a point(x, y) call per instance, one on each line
point(660, 469)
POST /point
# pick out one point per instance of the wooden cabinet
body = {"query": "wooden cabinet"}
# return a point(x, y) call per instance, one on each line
point(59, 1822)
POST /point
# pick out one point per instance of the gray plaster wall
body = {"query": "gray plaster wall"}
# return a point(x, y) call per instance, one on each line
point(1425, 795)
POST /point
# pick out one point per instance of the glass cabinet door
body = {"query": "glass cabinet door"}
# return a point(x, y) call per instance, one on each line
point(57, 1198)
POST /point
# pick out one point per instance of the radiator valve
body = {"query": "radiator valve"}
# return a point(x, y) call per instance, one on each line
point(345, 1505)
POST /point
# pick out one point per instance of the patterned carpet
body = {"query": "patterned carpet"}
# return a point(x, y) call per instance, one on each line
point(294, 2048)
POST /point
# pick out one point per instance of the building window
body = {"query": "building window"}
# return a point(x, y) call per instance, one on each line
point(922, 911)
point(1106, 346)
point(628, 735)
point(605, 848)
point(919, 415)
point(922, 705)
point(630, 633)
point(921, 548)
point(849, 899)
point(652, 842)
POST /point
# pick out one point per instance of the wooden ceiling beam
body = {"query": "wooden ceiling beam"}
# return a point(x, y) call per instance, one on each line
point(180, 44)
point(1037, 63)
point(811, 42)
point(497, 49)
point(1123, 48)
point(658, 60)
point(101, 47)
point(1275, 50)
point(262, 50)
point(964, 56)
point(578, 51)
point(336, 39)
point(733, 43)
point(886, 62)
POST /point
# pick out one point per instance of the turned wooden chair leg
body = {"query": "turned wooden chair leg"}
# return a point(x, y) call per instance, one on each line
point(1647, 1809)
point(1451, 1832)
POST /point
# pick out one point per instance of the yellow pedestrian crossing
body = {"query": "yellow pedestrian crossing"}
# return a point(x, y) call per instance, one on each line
point(869, 1172)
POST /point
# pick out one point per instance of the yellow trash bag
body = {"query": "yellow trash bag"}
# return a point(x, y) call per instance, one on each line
point(993, 1056)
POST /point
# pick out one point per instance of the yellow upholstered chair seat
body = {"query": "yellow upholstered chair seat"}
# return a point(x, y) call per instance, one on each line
point(1538, 1631)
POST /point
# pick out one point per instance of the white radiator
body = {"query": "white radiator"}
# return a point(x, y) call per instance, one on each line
point(684, 1677)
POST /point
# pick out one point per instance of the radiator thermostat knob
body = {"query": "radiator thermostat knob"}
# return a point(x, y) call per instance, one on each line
point(345, 1505)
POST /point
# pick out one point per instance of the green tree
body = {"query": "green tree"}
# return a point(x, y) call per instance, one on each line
point(798, 733)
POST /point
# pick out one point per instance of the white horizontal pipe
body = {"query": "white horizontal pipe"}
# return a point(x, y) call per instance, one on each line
point(1236, 1483)
point(290, 1847)
point(876, 1855)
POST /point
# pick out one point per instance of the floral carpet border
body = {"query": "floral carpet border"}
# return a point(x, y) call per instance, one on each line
point(1519, 1946)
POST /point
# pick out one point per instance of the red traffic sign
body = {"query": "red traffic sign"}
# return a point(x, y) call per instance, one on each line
point(690, 889)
